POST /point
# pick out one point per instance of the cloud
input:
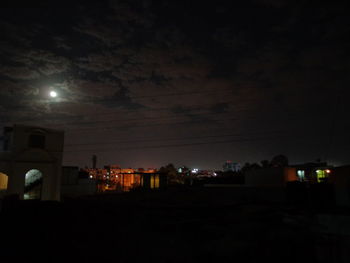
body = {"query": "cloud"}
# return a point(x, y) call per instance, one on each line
point(219, 107)
point(98, 62)
point(19, 73)
point(61, 43)
point(32, 62)
point(91, 89)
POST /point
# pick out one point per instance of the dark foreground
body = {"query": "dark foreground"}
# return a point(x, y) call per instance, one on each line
point(182, 225)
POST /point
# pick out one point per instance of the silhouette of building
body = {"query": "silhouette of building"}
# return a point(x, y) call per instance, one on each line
point(270, 177)
point(31, 161)
point(76, 182)
point(340, 178)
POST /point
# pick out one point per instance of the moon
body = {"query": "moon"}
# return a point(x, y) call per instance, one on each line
point(53, 94)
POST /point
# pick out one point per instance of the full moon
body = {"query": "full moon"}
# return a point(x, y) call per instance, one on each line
point(53, 94)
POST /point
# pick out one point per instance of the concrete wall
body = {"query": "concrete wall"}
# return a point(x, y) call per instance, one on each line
point(70, 175)
point(270, 177)
point(54, 139)
point(340, 177)
point(21, 158)
point(81, 188)
point(50, 188)
point(73, 186)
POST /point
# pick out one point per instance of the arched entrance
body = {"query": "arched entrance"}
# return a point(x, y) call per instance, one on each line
point(33, 184)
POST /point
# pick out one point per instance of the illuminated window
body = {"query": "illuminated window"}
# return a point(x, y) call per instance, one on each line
point(321, 175)
point(3, 181)
point(152, 181)
point(301, 175)
point(156, 183)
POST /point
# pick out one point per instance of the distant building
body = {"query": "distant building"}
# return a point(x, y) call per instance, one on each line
point(229, 166)
point(30, 164)
point(114, 178)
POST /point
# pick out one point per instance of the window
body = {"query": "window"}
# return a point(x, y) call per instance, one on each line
point(152, 181)
point(321, 176)
point(37, 141)
point(156, 183)
point(3, 181)
point(301, 175)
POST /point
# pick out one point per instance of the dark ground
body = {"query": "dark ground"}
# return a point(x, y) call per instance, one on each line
point(178, 225)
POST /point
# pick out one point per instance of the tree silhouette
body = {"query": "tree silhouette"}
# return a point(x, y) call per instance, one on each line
point(279, 161)
point(173, 176)
point(249, 166)
point(265, 164)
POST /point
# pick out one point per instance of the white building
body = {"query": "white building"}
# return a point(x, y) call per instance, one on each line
point(31, 162)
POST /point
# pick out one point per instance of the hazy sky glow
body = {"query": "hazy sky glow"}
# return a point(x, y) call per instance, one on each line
point(145, 83)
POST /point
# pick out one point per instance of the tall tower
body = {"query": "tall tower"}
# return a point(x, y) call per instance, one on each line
point(94, 161)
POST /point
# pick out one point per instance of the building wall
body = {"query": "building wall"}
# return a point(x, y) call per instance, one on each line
point(70, 175)
point(54, 139)
point(340, 177)
point(270, 177)
point(73, 186)
point(290, 174)
point(81, 188)
point(20, 157)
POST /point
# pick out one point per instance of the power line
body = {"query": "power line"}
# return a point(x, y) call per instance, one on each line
point(169, 124)
point(182, 93)
point(172, 145)
point(170, 139)
point(179, 94)
point(185, 112)
point(145, 125)
point(157, 146)
point(151, 118)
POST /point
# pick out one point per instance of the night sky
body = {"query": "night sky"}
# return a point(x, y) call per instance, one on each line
point(146, 83)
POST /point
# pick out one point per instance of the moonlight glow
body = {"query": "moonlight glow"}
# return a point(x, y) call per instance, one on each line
point(53, 94)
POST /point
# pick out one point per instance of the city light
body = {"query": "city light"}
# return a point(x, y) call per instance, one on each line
point(328, 171)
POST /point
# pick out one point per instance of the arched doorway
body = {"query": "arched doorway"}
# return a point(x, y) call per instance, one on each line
point(33, 184)
point(3, 183)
